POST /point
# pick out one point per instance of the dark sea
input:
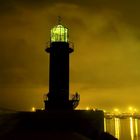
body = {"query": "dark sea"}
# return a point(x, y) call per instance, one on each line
point(123, 129)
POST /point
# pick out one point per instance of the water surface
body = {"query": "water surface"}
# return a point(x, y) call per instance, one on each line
point(123, 129)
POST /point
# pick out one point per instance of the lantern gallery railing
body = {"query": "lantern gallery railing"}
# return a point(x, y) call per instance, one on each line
point(71, 46)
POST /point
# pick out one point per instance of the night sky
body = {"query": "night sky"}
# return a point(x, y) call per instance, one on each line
point(104, 68)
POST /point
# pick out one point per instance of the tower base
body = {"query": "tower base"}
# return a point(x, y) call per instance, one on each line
point(59, 105)
point(86, 122)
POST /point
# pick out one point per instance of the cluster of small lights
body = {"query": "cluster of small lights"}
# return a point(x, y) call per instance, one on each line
point(130, 109)
point(33, 109)
point(115, 110)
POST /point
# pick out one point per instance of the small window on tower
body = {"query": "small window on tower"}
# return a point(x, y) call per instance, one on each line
point(59, 34)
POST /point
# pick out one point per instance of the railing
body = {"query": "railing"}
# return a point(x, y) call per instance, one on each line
point(45, 97)
point(75, 99)
point(48, 44)
point(75, 96)
point(71, 46)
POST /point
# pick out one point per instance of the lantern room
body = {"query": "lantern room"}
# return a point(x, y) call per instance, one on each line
point(59, 34)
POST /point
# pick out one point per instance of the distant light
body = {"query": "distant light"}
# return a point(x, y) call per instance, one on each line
point(87, 108)
point(33, 109)
point(116, 110)
point(130, 108)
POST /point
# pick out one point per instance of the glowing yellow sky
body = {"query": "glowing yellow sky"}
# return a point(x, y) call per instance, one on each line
point(105, 67)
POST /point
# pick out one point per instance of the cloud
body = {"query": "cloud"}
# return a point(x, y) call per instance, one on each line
point(20, 66)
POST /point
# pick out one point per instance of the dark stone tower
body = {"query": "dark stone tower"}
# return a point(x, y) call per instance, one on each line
point(59, 49)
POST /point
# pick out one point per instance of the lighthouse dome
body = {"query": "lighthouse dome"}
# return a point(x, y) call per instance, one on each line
point(59, 34)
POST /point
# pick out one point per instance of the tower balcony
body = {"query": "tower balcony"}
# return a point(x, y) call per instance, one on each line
point(50, 44)
point(62, 105)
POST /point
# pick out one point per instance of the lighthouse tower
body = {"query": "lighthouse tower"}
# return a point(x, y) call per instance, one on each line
point(59, 50)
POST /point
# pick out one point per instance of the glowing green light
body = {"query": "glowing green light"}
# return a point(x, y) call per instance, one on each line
point(59, 34)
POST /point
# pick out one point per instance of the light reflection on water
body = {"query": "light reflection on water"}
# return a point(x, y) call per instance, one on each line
point(117, 128)
point(131, 128)
point(105, 124)
point(123, 129)
point(136, 128)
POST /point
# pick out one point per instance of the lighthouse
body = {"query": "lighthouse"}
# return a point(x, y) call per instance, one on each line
point(59, 49)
